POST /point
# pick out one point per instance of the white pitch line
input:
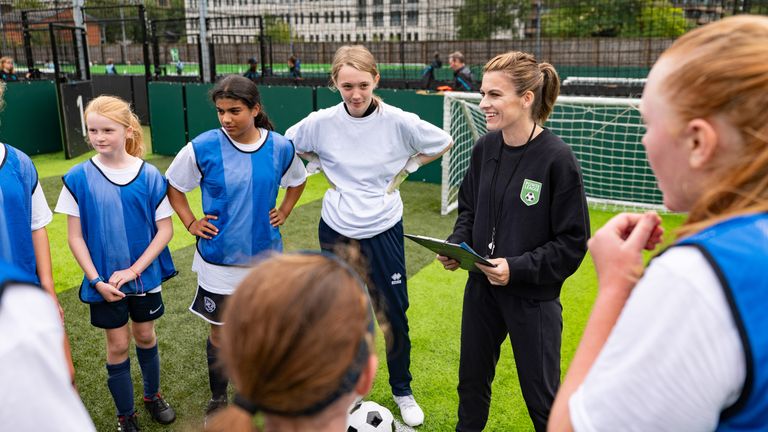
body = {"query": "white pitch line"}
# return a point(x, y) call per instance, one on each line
point(399, 427)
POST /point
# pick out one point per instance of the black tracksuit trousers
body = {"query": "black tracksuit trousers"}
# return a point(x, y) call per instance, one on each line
point(535, 330)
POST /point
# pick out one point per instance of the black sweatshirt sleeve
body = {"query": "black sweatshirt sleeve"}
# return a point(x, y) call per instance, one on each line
point(557, 259)
point(462, 229)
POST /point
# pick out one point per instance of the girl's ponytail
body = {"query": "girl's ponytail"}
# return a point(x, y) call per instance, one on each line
point(134, 143)
point(262, 121)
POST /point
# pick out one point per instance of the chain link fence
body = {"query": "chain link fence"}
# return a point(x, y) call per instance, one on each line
point(611, 42)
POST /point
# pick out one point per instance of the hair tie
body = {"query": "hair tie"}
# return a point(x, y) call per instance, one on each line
point(246, 405)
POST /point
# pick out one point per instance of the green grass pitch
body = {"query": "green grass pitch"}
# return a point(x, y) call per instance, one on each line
point(435, 297)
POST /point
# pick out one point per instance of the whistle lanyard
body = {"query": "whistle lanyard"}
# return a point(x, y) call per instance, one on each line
point(496, 213)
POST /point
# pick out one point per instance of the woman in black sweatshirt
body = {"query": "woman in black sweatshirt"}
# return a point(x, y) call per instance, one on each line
point(522, 205)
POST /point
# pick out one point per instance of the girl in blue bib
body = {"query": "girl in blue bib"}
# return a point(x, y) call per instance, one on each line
point(239, 169)
point(119, 225)
point(24, 214)
point(682, 344)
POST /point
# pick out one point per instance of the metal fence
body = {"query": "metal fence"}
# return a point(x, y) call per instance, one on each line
point(582, 38)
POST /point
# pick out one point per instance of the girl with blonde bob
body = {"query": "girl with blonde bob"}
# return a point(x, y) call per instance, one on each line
point(308, 355)
point(118, 227)
point(366, 148)
point(682, 346)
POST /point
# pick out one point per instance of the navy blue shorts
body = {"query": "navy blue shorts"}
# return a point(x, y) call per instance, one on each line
point(209, 305)
point(112, 315)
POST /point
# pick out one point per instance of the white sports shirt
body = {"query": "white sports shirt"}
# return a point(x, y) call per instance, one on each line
point(36, 392)
point(360, 156)
point(673, 361)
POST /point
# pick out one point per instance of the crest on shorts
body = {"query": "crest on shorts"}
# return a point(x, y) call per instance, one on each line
point(210, 305)
point(530, 192)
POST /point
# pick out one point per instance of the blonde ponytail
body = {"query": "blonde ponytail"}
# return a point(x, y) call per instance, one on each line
point(134, 143)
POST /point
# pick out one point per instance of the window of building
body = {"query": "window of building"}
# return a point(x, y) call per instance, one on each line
point(395, 18)
point(412, 17)
point(378, 19)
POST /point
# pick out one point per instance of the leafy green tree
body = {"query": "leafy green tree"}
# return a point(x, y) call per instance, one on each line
point(481, 19)
point(659, 19)
point(276, 28)
point(612, 18)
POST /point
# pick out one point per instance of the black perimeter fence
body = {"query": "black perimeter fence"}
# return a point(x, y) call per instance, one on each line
point(599, 47)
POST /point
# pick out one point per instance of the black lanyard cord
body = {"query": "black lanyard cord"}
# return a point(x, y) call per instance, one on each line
point(496, 213)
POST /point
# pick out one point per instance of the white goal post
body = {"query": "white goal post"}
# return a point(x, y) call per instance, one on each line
point(604, 133)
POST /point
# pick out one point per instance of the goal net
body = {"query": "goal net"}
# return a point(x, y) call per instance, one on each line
point(604, 133)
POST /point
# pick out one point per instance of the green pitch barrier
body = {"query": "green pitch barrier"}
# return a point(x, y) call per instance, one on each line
point(30, 120)
point(170, 103)
point(166, 112)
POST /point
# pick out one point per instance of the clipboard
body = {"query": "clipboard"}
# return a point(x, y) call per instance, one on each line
point(465, 255)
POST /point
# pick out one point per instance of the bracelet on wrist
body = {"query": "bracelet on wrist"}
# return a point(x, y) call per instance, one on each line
point(190, 224)
point(95, 281)
point(137, 274)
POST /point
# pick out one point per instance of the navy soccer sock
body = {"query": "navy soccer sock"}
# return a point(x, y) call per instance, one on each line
point(149, 360)
point(121, 387)
point(216, 377)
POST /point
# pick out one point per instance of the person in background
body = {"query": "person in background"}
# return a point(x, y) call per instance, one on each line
point(7, 72)
point(428, 75)
point(682, 345)
point(463, 80)
point(253, 70)
point(294, 67)
point(110, 67)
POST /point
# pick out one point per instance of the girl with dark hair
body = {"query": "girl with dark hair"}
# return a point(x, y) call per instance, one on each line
point(239, 169)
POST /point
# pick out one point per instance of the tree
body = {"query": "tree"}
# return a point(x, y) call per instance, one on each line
point(659, 19)
point(481, 19)
point(611, 18)
point(276, 28)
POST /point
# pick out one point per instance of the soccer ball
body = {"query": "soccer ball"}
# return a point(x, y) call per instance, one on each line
point(369, 416)
point(530, 197)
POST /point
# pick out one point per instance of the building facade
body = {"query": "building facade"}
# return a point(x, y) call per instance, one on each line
point(334, 21)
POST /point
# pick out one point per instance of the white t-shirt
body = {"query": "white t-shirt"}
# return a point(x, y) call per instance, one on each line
point(673, 361)
point(184, 176)
point(360, 156)
point(36, 393)
point(68, 206)
point(41, 213)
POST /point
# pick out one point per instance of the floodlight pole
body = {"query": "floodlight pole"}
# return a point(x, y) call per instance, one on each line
point(204, 53)
point(77, 16)
point(538, 30)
